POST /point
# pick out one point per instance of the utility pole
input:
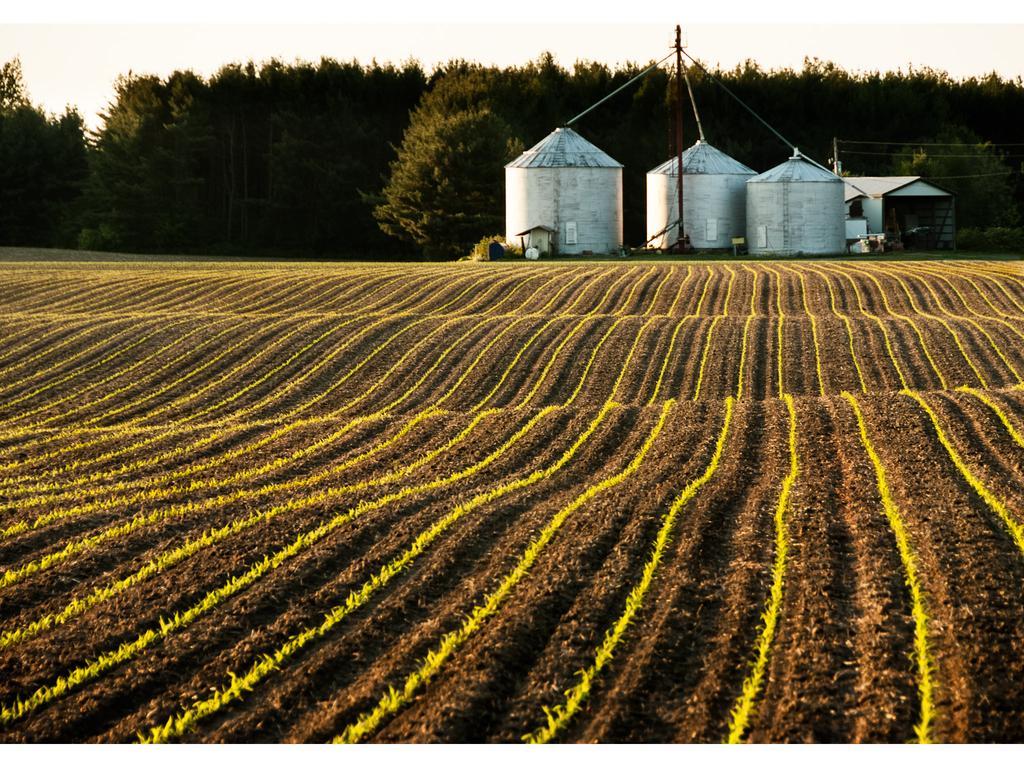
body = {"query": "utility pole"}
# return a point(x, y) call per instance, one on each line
point(680, 239)
point(837, 167)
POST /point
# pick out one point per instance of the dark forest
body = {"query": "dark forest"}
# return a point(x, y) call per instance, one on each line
point(343, 160)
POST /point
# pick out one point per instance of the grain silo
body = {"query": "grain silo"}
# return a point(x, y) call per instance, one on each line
point(570, 190)
point(796, 207)
point(714, 199)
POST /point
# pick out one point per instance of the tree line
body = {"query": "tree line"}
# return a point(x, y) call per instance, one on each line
point(389, 161)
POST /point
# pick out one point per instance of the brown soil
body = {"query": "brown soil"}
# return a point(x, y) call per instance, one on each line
point(840, 667)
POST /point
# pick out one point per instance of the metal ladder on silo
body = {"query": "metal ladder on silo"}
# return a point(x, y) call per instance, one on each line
point(785, 216)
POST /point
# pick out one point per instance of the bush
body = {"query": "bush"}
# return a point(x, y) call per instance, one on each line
point(480, 250)
point(101, 238)
point(997, 239)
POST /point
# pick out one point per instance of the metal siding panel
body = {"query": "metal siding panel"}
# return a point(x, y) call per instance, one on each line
point(592, 197)
point(798, 217)
point(705, 196)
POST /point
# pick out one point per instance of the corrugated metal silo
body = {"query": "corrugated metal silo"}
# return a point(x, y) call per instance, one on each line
point(714, 198)
point(566, 183)
point(796, 207)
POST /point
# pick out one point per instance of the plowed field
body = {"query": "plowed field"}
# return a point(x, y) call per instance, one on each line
point(774, 501)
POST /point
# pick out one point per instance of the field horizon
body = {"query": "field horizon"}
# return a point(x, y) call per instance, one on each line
point(15, 254)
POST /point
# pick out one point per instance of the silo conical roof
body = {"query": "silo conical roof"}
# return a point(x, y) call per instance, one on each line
point(564, 148)
point(702, 158)
point(796, 168)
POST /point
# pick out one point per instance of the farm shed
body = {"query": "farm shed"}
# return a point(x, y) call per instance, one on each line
point(538, 237)
point(796, 207)
point(714, 199)
point(567, 185)
point(921, 213)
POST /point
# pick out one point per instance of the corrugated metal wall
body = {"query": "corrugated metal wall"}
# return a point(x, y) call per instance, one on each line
point(554, 197)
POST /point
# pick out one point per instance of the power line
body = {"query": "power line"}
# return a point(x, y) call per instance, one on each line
point(926, 143)
point(971, 175)
point(596, 104)
point(742, 103)
point(763, 122)
point(912, 154)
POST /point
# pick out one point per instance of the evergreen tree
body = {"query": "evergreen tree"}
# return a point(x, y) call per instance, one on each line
point(12, 87)
point(957, 160)
point(445, 190)
point(42, 167)
point(301, 158)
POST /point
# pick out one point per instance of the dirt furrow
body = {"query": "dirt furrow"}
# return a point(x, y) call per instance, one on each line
point(971, 569)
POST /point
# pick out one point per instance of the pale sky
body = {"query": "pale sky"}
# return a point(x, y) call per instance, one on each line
point(74, 63)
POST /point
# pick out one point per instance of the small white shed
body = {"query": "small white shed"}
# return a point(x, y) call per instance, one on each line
point(538, 237)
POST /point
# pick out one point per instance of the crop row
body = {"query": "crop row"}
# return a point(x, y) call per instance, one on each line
point(164, 476)
point(617, 638)
point(63, 684)
point(975, 288)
